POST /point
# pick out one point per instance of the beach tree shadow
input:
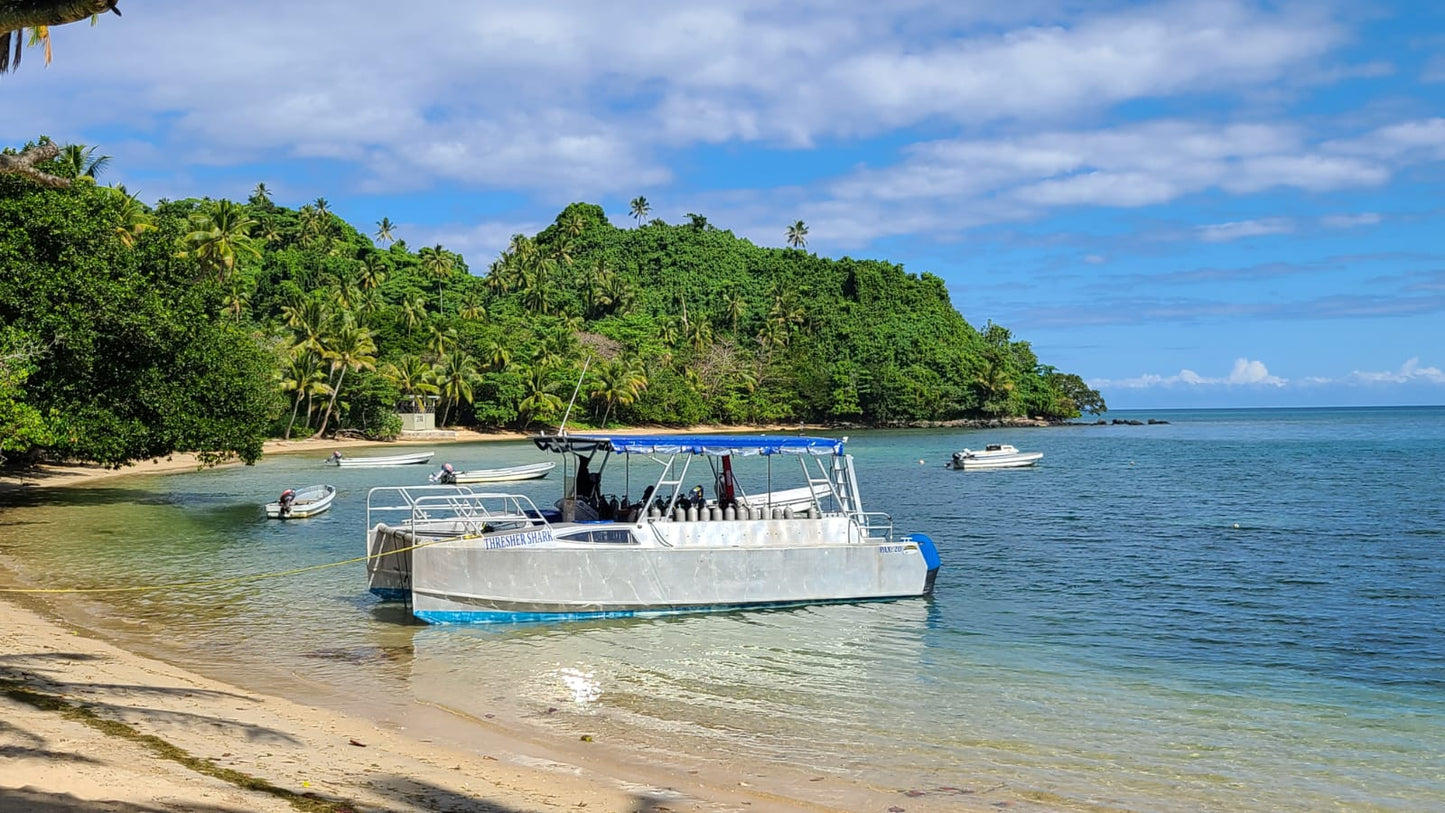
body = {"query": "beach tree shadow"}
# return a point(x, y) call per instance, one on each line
point(34, 801)
point(427, 796)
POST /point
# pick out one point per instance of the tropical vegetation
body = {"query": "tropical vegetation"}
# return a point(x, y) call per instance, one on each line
point(129, 331)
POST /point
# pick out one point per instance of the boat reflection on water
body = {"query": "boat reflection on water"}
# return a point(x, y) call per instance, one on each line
point(806, 685)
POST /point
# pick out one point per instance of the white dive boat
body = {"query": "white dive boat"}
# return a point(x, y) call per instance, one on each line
point(994, 456)
point(528, 471)
point(461, 555)
point(339, 459)
point(301, 503)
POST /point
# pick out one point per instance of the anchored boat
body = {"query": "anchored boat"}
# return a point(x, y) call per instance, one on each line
point(339, 459)
point(302, 503)
point(994, 456)
point(463, 555)
point(528, 471)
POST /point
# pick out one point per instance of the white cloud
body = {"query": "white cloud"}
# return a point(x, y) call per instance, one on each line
point(1410, 372)
point(1245, 373)
point(1344, 221)
point(1224, 232)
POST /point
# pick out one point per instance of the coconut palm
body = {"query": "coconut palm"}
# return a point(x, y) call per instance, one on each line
point(412, 377)
point(39, 16)
point(413, 313)
point(798, 235)
point(261, 195)
point(311, 321)
point(350, 348)
point(736, 306)
point(373, 271)
point(305, 377)
point(437, 262)
point(456, 374)
point(441, 340)
point(699, 335)
point(80, 162)
point(219, 234)
point(617, 383)
point(238, 296)
point(385, 231)
point(640, 208)
point(134, 219)
point(472, 306)
point(498, 355)
point(540, 401)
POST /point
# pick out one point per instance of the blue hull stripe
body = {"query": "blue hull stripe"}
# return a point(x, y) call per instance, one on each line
point(504, 617)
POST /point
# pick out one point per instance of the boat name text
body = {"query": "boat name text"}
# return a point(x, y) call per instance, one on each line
point(520, 539)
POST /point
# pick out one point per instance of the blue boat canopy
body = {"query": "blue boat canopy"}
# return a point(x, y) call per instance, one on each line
point(716, 445)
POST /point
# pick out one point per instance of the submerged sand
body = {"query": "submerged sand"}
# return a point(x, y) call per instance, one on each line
point(86, 725)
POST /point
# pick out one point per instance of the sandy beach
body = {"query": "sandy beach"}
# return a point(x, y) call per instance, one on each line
point(91, 726)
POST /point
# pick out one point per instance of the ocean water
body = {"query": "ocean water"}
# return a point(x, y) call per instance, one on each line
point(1236, 609)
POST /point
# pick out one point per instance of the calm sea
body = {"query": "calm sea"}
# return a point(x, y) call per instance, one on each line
point(1236, 609)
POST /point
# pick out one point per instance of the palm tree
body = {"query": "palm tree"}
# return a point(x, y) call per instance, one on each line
point(617, 383)
point(700, 335)
point(736, 306)
point(305, 377)
point(323, 207)
point(80, 162)
point(498, 355)
point(437, 262)
point(798, 235)
point(540, 401)
point(373, 271)
point(414, 378)
point(697, 221)
point(236, 300)
point(134, 219)
point(640, 208)
point(39, 16)
point(351, 348)
point(472, 306)
point(413, 313)
point(219, 233)
point(455, 374)
point(261, 195)
point(441, 339)
point(311, 322)
point(384, 231)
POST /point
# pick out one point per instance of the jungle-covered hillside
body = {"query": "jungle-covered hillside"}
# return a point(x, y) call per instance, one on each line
point(129, 331)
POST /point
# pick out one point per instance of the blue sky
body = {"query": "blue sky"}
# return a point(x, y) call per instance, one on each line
point(1189, 204)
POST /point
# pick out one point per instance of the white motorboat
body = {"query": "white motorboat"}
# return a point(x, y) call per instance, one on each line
point(994, 456)
point(301, 503)
point(339, 459)
point(528, 471)
point(459, 555)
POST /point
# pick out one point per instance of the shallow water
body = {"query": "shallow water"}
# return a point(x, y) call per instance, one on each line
point(1238, 608)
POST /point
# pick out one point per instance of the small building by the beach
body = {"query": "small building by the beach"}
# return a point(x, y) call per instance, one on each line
point(418, 414)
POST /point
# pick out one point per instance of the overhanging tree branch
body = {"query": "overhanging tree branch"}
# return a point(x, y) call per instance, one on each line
point(17, 15)
point(23, 164)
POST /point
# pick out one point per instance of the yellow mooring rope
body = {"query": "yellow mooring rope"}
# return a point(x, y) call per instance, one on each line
point(232, 580)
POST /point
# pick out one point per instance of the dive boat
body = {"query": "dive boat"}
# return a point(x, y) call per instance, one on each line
point(994, 456)
point(339, 459)
point(302, 503)
point(528, 471)
point(460, 555)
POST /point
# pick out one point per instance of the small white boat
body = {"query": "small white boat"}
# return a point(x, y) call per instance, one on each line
point(339, 459)
point(994, 456)
point(528, 471)
point(462, 556)
point(299, 504)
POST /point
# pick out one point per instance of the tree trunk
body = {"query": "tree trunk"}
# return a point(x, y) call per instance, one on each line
point(24, 163)
point(335, 394)
point(294, 406)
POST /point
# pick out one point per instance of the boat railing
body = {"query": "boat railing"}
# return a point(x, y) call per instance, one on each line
point(450, 510)
point(875, 524)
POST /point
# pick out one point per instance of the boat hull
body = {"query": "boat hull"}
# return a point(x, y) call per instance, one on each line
point(704, 567)
point(512, 474)
point(1018, 461)
point(393, 460)
point(309, 502)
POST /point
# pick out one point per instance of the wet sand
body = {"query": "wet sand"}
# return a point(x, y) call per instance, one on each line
point(90, 726)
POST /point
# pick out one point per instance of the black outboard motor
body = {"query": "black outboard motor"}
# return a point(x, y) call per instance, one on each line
point(287, 499)
point(447, 476)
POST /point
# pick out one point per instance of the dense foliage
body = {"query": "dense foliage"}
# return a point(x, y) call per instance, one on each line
point(210, 325)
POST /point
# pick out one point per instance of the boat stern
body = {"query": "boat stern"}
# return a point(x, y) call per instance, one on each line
point(930, 558)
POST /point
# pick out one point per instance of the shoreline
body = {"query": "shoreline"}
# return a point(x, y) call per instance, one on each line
point(97, 720)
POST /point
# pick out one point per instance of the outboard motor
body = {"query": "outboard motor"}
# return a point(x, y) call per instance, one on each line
point(447, 476)
point(335, 458)
point(287, 499)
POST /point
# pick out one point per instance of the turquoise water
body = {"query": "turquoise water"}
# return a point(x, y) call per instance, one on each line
point(1236, 609)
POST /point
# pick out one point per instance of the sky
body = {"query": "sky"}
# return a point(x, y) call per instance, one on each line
point(1193, 204)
